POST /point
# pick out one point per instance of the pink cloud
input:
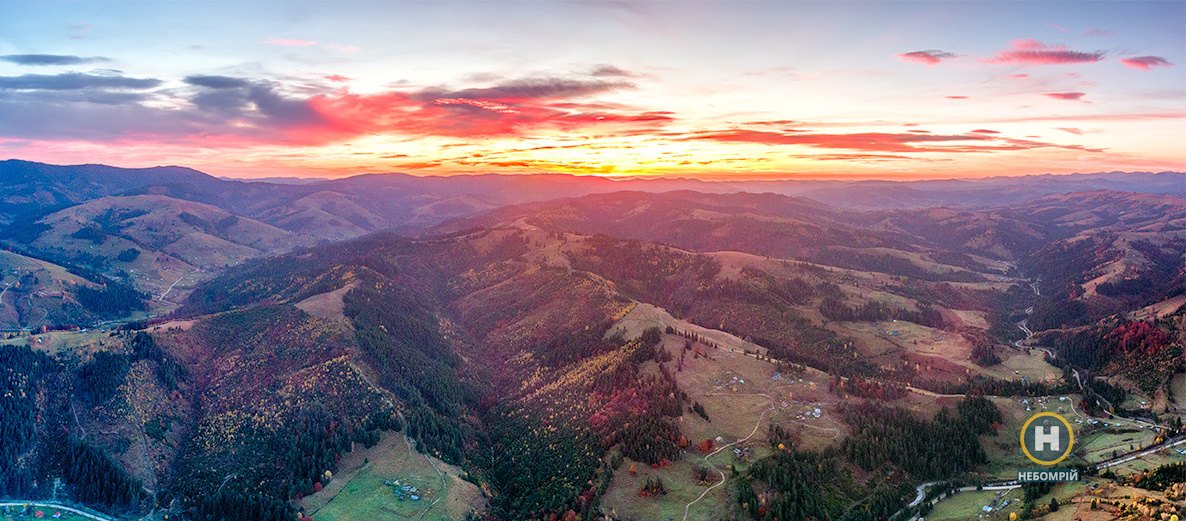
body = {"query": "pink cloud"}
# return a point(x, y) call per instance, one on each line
point(1070, 130)
point(482, 104)
point(507, 109)
point(1034, 52)
point(1068, 96)
point(985, 131)
point(1016, 76)
point(956, 97)
point(881, 142)
point(1056, 27)
point(931, 57)
point(337, 78)
point(290, 42)
point(866, 141)
point(1146, 62)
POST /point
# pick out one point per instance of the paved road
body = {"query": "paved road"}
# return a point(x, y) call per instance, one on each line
point(1125, 459)
point(1009, 485)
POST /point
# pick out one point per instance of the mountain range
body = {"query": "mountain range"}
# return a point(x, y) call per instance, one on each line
point(560, 347)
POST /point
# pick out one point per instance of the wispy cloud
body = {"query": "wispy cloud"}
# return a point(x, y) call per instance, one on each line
point(1016, 76)
point(337, 78)
point(1098, 32)
point(868, 141)
point(956, 97)
point(343, 48)
point(1067, 96)
point(1146, 62)
point(1056, 27)
point(611, 71)
point(79, 30)
point(74, 81)
point(931, 57)
point(773, 122)
point(51, 59)
point(287, 42)
point(1070, 130)
point(216, 82)
point(1034, 52)
point(886, 142)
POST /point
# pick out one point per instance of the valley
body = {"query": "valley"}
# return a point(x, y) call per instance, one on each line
point(624, 355)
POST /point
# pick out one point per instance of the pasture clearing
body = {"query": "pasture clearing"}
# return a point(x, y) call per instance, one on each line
point(359, 493)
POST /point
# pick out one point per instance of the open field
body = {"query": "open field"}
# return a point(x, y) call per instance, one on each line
point(643, 316)
point(328, 304)
point(972, 318)
point(1159, 309)
point(966, 505)
point(55, 342)
point(1178, 390)
point(910, 337)
point(1003, 451)
point(1072, 497)
point(1150, 462)
point(623, 501)
point(358, 491)
point(1030, 364)
point(1100, 444)
point(742, 396)
point(50, 511)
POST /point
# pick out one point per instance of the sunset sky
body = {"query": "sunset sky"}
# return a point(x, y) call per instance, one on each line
point(884, 89)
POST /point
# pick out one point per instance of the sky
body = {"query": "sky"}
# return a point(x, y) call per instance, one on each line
point(716, 90)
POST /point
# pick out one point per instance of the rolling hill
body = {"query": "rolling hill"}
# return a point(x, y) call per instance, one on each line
point(618, 353)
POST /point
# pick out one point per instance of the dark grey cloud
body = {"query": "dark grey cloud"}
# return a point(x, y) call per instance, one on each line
point(69, 117)
point(236, 96)
point(221, 100)
point(74, 81)
point(113, 107)
point(51, 59)
point(217, 82)
point(280, 109)
point(532, 89)
point(59, 97)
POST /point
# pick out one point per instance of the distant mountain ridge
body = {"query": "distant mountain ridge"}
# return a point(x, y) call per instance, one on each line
point(162, 229)
point(406, 202)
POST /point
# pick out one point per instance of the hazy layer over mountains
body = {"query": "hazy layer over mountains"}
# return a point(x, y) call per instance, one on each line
point(348, 207)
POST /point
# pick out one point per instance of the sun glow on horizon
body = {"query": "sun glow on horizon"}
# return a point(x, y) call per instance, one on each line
point(726, 90)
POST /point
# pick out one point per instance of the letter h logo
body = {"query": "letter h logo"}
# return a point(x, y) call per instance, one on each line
point(1046, 436)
